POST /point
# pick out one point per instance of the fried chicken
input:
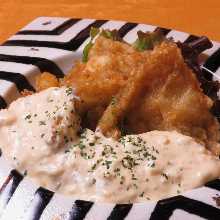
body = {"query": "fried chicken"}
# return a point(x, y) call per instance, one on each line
point(107, 70)
point(45, 81)
point(164, 94)
point(153, 90)
point(173, 100)
point(143, 77)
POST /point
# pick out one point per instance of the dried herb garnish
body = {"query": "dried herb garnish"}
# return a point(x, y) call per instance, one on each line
point(27, 117)
point(42, 123)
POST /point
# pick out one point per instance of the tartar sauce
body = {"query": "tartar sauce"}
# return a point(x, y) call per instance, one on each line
point(39, 137)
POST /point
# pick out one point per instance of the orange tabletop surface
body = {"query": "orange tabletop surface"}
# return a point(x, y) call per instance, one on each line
point(199, 17)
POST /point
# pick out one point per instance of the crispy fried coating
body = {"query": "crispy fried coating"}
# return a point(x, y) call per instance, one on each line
point(152, 90)
point(120, 104)
point(141, 79)
point(26, 92)
point(173, 100)
point(45, 81)
point(109, 66)
point(163, 95)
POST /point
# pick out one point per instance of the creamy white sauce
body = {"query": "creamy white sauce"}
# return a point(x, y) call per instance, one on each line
point(39, 135)
point(34, 130)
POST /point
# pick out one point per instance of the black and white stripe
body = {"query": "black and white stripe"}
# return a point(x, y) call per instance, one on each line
point(119, 212)
point(3, 103)
point(40, 201)
point(6, 89)
point(27, 70)
point(56, 31)
point(126, 28)
point(213, 62)
point(21, 202)
point(72, 44)
point(42, 63)
point(45, 23)
point(47, 44)
point(215, 184)
point(80, 210)
point(64, 37)
point(191, 38)
point(18, 79)
point(131, 36)
point(165, 208)
point(177, 35)
point(211, 68)
point(8, 188)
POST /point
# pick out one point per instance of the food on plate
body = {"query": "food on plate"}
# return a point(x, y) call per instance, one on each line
point(129, 123)
point(45, 81)
point(168, 94)
point(39, 135)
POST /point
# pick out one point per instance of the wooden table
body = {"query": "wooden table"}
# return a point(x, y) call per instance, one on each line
point(199, 17)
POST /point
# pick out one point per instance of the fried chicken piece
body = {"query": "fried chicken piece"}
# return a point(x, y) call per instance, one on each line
point(164, 95)
point(173, 100)
point(45, 81)
point(120, 104)
point(141, 79)
point(168, 97)
point(108, 68)
point(26, 92)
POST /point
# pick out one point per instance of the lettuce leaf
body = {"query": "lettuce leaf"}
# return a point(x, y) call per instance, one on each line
point(147, 41)
point(93, 33)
